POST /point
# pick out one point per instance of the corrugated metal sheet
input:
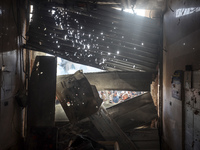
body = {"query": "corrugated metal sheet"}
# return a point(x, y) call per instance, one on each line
point(119, 80)
point(98, 36)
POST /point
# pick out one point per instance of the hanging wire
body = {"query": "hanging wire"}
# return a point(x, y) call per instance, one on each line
point(17, 21)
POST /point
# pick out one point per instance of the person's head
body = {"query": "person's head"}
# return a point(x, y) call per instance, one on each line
point(109, 92)
point(115, 94)
point(125, 96)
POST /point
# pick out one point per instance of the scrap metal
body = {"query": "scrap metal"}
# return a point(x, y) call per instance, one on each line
point(77, 97)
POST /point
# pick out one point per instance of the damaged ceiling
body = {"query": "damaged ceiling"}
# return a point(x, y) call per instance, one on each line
point(95, 34)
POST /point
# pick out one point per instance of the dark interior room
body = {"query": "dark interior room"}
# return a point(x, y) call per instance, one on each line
point(100, 75)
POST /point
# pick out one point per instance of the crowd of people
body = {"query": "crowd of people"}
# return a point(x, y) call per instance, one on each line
point(114, 97)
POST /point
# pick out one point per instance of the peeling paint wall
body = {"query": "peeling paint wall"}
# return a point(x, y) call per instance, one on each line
point(10, 111)
point(10, 77)
point(181, 47)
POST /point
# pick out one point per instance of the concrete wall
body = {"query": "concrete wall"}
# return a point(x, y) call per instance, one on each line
point(10, 111)
point(10, 77)
point(181, 47)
